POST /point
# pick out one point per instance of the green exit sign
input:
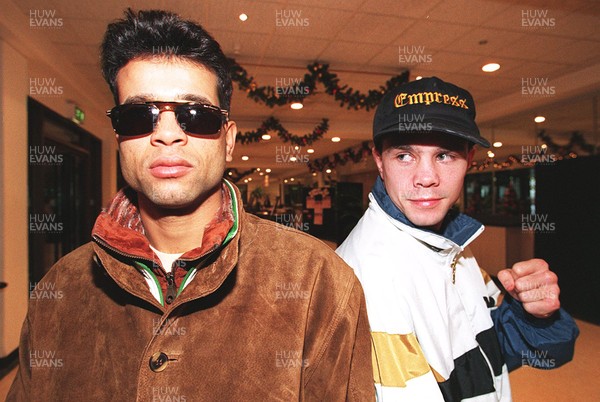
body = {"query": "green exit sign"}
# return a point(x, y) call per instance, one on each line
point(78, 115)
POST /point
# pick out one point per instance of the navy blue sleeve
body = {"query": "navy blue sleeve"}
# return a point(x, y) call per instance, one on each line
point(525, 340)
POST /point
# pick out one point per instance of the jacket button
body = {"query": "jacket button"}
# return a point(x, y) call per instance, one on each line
point(158, 362)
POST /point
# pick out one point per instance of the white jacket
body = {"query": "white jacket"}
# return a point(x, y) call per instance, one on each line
point(433, 337)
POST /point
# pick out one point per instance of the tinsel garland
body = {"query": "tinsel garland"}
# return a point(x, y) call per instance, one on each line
point(273, 124)
point(559, 151)
point(317, 72)
point(355, 154)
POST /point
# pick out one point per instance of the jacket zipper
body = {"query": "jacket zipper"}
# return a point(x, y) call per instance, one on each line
point(453, 266)
point(171, 291)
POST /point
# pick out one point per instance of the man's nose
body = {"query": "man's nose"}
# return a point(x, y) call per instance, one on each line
point(167, 130)
point(426, 174)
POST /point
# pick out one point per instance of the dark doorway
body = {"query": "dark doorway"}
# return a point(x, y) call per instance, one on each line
point(568, 197)
point(64, 187)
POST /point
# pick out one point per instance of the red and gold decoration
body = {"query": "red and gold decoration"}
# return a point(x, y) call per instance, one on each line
point(318, 199)
point(273, 124)
point(317, 72)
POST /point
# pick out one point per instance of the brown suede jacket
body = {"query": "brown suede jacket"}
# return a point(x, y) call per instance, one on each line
point(271, 315)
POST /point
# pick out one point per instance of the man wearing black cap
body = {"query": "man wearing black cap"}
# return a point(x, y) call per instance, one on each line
point(439, 326)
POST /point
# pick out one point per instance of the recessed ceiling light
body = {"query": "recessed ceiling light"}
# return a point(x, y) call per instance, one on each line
point(266, 137)
point(268, 170)
point(539, 119)
point(310, 151)
point(336, 139)
point(292, 179)
point(249, 178)
point(245, 157)
point(293, 159)
point(245, 180)
point(491, 67)
point(261, 174)
point(419, 77)
point(285, 180)
point(230, 173)
point(297, 105)
point(314, 173)
point(490, 154)
point(243, 17)
point(497, 144)
point(328, 171)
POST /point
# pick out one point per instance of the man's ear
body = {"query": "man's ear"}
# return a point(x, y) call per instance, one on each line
point(471, 155)
point(378, 161)
point(230, 134)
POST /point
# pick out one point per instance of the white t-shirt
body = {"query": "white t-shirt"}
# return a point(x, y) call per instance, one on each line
point(166, 259)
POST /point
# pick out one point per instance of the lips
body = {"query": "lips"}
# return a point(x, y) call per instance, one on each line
point(426, 202)
point(169, 167)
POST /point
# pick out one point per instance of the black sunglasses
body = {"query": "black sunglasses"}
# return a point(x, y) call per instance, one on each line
point(131, 119)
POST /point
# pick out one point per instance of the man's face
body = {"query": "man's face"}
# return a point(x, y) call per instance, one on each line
point(423, 174)
point(168, 167)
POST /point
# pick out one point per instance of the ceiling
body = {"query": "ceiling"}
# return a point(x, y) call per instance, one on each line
point(361, 40)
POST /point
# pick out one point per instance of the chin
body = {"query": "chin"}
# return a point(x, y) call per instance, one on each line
point(426, 221)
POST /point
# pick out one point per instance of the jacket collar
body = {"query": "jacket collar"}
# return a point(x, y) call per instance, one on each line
point(458, 228)
point(119, 227)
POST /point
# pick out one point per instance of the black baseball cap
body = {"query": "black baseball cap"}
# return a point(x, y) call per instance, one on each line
point(428, 105)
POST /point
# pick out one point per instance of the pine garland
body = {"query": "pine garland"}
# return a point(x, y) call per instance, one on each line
point(273, 124)
point(355, 154)
point(317, 72)
point(559, 151)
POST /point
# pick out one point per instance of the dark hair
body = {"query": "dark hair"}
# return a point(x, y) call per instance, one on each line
point(147, 33)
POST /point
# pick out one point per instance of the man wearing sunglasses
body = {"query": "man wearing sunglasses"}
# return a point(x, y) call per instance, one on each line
point(182, 295)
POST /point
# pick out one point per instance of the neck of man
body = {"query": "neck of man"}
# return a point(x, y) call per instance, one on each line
point(178, 230)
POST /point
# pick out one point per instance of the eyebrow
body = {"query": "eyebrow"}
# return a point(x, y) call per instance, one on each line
point(148, 97)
